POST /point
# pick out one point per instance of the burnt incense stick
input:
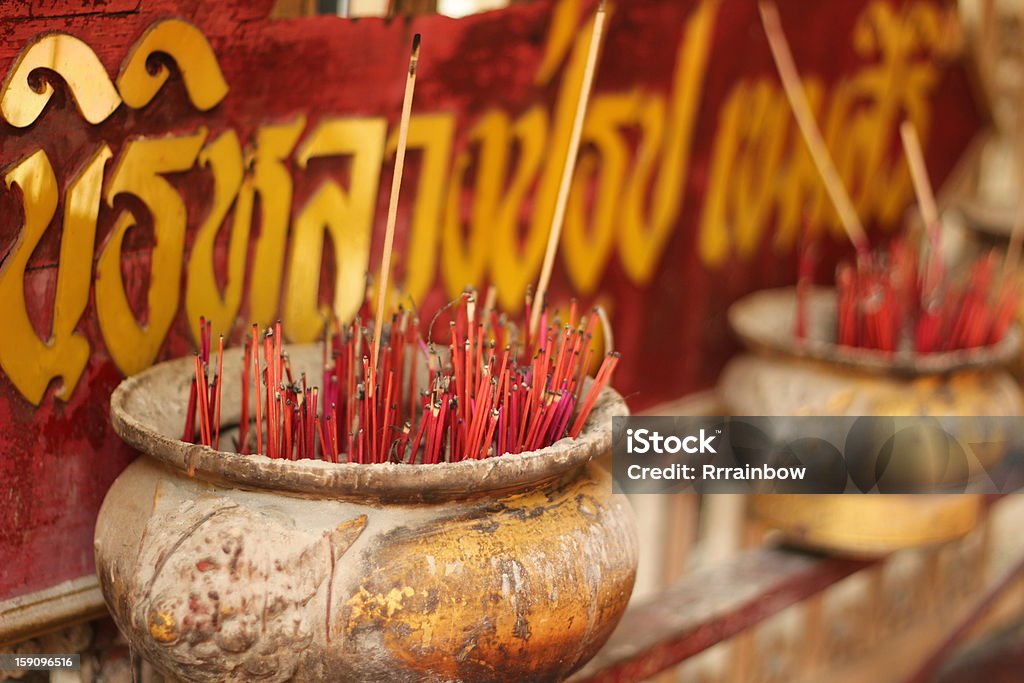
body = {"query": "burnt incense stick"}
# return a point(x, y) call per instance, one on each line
point(396, 184)
point(562, 199)
point(254, 356)
point(793, 88)
point(190, 414)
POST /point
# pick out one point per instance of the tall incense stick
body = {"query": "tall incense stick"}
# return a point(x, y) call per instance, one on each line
point(919, 174)
point(1013, 250)
point(396, 183)
point(808, 126)
point(606, 329)
point(925, 195)
point(562, 199)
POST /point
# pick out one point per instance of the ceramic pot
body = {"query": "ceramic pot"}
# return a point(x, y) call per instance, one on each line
point(225, 567)
point(783, 376)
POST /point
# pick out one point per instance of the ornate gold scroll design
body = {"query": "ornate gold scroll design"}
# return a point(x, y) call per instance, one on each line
point(75, 62)
point(27, 88)
point(191, 52)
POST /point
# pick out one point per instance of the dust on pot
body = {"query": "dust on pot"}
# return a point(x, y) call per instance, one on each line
point(226, 567)
point(782, 375)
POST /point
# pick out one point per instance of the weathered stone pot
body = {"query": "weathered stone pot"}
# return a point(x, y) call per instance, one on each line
point(224, 567)
point(781, 376)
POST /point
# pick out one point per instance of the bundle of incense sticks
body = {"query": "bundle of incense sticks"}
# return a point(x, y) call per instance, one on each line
point(888, 302)
point(884, 300)
point(483, 394)
point(204, 396)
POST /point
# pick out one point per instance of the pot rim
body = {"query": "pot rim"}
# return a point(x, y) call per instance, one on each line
point(134, 417)
point(764, 319)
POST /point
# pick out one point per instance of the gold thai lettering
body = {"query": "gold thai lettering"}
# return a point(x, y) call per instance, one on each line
point(466, 254)
point(740, 195)
point(432, 135)
point(562, 33)
point(139, 171)
point(760, 170)
point(515, 254)
point(203, 296)
point(642, 239)
point(346, 216)
point(604, 159)
point(479, 211)
point(272, 183)
point(30, 362)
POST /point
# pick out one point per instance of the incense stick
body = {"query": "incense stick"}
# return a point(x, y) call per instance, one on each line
point(919, 175)
point(396, 183)
point(1013, 250)
point(561, 202)
point(606, 329)
point(926, 203)
point(786, 67)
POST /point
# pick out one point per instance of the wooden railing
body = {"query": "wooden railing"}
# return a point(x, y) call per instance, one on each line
point(710, 606)
point(773, 615)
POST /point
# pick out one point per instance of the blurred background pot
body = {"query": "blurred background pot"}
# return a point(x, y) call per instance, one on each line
point(783, 376)
point(226, 567)
point(990, 228)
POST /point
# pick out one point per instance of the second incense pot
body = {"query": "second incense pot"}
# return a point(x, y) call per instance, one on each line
point(781, 375)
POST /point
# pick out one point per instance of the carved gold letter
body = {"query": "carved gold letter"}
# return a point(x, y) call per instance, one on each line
point(30, 362)
point(273, 183)
point(641, 244)
point(586, 251)
point(346, 217)
point(433, 134)
point(202, 295)
point(134, 346)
